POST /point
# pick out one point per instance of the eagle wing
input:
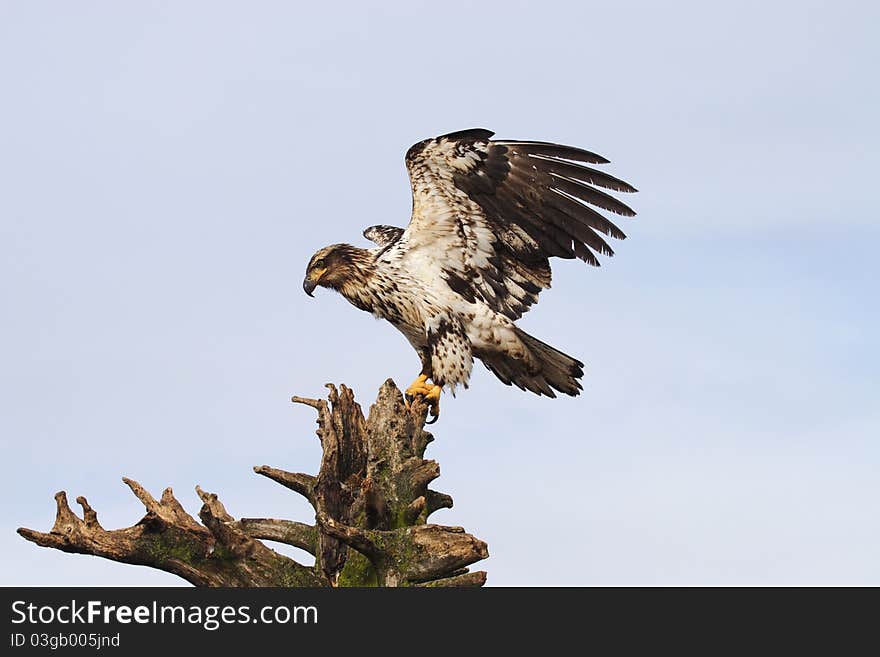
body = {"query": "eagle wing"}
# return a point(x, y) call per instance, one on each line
point(383, 235)
point(488, 215)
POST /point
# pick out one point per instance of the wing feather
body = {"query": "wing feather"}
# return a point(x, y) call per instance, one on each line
point(555, 150)
point(488, 215)
point(383, 235)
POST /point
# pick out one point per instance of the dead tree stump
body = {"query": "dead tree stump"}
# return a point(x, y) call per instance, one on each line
point(371, 501)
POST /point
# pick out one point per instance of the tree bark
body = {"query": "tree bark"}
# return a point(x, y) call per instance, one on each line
point(371, 501)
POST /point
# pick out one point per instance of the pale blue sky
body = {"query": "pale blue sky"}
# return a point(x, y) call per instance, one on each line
point(168, 168)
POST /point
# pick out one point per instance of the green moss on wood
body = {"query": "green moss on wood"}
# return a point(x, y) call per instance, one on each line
point(358, 571)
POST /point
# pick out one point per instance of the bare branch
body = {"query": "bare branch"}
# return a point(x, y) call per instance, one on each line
point(438, 501)
point(424, 474)
point(167, 538)
point(314, 403)
point(303, 484)
point(89, 515)
point(297, 534)
point(141, 493)
point(356, 538)
point(414, 510)
point(466, 579)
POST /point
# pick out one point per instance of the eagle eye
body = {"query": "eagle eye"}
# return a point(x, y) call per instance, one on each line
point(320, 263)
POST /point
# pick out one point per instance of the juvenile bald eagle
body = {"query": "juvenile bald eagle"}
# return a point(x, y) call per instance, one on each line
point(486, 218)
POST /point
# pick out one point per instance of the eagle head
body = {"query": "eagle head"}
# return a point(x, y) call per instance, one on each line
point(334, 266)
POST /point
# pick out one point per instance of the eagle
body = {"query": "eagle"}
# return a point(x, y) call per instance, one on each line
point(487, 216)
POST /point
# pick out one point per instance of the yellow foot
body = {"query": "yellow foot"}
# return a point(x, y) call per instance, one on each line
point(429, 392)
point(418, 387)
point(433, 397)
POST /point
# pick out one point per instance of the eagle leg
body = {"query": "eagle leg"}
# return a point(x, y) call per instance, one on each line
point(429, 392)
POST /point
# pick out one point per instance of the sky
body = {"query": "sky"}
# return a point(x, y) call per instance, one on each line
point(168, 169)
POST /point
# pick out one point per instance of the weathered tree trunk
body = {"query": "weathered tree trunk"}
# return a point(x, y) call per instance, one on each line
point(371, 502)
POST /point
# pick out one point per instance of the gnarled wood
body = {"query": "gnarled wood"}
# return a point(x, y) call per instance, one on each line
point(216, 553)
point(371, 499)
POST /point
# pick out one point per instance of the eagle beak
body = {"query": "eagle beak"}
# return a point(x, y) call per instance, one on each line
point(309, 287)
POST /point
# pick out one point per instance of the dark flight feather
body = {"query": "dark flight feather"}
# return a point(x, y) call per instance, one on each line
point(539, 187)
point(555, 150)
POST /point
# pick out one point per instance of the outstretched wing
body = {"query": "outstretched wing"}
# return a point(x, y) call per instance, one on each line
point(488, 215)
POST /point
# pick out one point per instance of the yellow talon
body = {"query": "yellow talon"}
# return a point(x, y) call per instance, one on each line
point(429, 391)
point(433, 394)
point(433, 397)
point(418, 387)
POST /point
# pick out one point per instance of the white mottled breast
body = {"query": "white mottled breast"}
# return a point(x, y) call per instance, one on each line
point(427, 298)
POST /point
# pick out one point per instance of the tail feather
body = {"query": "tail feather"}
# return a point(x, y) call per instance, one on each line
point(543, 370)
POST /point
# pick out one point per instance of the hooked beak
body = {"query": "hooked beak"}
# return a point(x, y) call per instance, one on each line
point(309, 287)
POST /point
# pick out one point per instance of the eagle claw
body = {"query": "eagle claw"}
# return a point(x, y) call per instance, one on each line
point(429, 392)
point(435, 415)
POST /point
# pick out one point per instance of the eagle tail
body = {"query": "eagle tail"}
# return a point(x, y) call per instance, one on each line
point(549, 369)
